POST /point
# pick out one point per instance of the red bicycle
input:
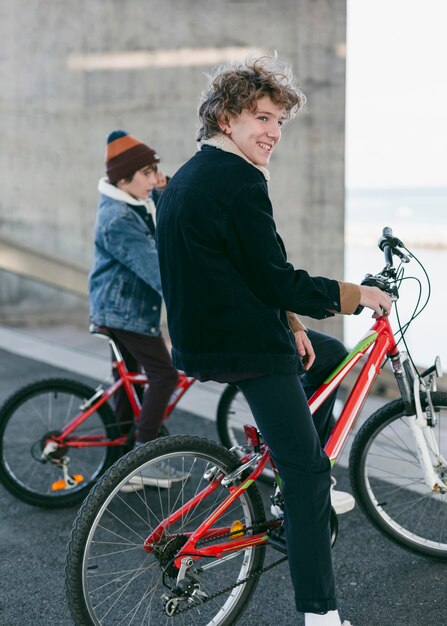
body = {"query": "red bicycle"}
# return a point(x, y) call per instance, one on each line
point(57, 436)
point(193, 553)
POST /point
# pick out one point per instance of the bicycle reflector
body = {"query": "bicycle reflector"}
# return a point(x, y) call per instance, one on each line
point(59, 485)
point(252, 436)
point(237, 529)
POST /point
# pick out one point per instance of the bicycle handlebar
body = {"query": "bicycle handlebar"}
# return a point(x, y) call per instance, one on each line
point(390, 247)
point(384, 245)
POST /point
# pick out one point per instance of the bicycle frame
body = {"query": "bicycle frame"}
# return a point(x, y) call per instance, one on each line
point(204, 531)
point(128, 380)
point(381, 343)
point(381, 338)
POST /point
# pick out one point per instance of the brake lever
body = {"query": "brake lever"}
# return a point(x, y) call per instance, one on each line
point(404, 257)
point(393, 243)
point(380, 281)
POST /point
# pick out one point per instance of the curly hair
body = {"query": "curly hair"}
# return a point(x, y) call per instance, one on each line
point(235, 87)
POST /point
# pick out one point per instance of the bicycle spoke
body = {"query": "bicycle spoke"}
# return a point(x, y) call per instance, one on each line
point(125, 583)
point(391, 483)
point(29, 420)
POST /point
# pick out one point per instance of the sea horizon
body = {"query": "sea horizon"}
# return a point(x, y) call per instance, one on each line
point(417, 216)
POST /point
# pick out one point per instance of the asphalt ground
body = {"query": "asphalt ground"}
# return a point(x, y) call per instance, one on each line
point(378, 583)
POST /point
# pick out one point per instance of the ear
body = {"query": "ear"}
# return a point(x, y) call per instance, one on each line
point(225, 123)
point(121, 183)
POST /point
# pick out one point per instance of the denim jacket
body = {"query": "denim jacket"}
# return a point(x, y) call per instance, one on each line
point(124, 283)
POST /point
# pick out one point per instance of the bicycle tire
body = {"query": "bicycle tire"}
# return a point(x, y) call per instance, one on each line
point(233, 413)
point(389, 484)
point(109, 531)
point(26, 418)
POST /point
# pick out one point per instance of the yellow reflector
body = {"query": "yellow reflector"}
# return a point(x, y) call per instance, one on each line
point(61, 484)
point(237, 526)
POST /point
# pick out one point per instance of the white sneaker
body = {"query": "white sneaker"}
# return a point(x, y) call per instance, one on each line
point(276, 511)
point(162, 475)
point(275, 507)
point(346, 623)
point(342, 502)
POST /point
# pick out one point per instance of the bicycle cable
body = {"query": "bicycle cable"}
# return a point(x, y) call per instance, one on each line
point(400, 277)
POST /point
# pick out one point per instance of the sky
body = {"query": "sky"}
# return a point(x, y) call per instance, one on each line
point(396, 110)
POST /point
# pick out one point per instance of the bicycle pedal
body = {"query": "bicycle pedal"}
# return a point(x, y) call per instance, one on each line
point(277, 539)
point(62, 484)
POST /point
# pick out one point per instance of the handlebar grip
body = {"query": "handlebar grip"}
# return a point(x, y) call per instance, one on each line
point(387, 251)
point(358, 310)
point(384, 245)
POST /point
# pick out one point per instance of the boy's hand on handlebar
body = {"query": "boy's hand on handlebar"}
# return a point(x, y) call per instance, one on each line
point(305, 349)
point(375, 299)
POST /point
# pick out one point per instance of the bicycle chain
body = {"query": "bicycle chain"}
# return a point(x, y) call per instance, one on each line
point(254, 574)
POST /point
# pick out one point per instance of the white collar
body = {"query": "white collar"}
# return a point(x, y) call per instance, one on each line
point(223, 142)
point(109, 190)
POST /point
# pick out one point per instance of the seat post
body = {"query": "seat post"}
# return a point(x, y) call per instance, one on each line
point(104, 333)
point(116, 351)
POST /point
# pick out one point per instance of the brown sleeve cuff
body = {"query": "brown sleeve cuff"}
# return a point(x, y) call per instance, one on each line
point(294, 322)
point(349, 298)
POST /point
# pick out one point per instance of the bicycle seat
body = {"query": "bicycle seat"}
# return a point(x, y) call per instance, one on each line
point(103, 331)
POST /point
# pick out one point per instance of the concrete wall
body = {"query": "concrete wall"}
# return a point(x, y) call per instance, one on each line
point(55, 117)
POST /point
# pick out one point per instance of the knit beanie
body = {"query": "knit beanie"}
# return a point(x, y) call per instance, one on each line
point(125, 155)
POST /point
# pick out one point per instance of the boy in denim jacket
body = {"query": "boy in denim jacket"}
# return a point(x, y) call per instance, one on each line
point(124, 283)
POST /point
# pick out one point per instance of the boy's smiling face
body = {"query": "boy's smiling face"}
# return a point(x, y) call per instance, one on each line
point(256, 133)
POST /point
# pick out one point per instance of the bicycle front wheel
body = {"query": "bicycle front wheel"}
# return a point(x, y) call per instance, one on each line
point(233, 413)
point(388, 480)
point(28, 419)
point(110, 577)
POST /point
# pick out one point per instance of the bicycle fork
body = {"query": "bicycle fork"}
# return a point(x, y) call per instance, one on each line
point(422, 421)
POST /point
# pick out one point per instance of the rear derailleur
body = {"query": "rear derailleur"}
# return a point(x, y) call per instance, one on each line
point(187, 592)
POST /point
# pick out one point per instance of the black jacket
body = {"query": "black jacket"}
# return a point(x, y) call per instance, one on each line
point(225, 277)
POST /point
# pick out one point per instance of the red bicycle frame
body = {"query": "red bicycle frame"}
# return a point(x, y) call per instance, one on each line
point(381, 337)
point(204, 531)
point(381, 343)
point(128, 380)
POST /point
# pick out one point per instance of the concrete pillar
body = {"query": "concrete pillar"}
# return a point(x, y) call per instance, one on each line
point(73, 71)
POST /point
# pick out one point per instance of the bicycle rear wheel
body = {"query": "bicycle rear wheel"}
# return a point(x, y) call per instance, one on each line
point(388, 481)
point(27, 418)
point(233, 413)
point(111, 579)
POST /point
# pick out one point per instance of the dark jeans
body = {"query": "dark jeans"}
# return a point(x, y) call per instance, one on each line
point(279, 406)
point(329, 353)
point(151, 354)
